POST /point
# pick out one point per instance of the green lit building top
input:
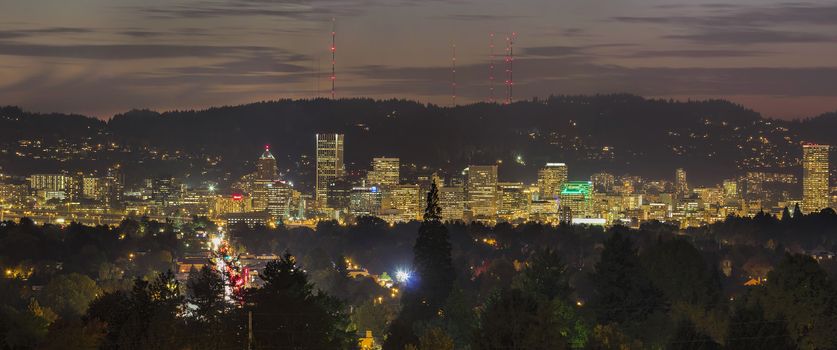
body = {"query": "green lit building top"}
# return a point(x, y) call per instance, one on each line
point(577, 196)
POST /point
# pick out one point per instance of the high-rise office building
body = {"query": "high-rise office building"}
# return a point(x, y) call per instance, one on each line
point(164, 191)
point(481, 191)
point(279, 200)
point(338, 193)
point(815, 181)
point(550, 180)
point(577, 198)
point(260, 193)
point(113, 186)
point(681, 187)
point(266, 166)
point(401, 203)
point(513, 201)
point(91, 187)
point(329, 165)
point(365, 201)
point(49, 182)
point(452, 202)
point(236, 203)
point(385, 172)
point(730, 189)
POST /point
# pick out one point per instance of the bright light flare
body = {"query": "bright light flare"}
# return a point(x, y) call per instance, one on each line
point(403, 276)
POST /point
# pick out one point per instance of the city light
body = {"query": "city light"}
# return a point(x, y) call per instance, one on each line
point(403, 276)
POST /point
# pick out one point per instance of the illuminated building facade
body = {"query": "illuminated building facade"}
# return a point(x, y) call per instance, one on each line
point(49, 186)
point(330, 165)
point(91, 187)
point(365, 201)
point(279, 200)
point(482, 191)
point(452, 201)
point(731, 192)
point(513, 201)
point(543, 210)
point(577, 196)
point(681, 186)
point(260, 192)
point(815, 180)
point(550, 180)
point(236, 203)
point(266, 166)
point(385, 172)
point(401, 203)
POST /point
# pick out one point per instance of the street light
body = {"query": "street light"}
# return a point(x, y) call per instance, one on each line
point(403, 276)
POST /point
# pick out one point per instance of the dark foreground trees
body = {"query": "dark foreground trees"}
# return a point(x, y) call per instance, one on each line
point(287, 312)
point(425, 295)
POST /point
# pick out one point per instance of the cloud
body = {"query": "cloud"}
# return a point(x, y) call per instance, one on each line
point(480, 17)
point(20, 33)
point(693, 53)
point(256, 64)
point(543, 76)
point(735, 24)
point(561, 51)
point(553, 51)
point(740, 16)
point(130, 51)
point(290, 9)
point(744, 36)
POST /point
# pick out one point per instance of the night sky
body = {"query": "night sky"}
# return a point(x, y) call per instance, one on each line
point(101, 57)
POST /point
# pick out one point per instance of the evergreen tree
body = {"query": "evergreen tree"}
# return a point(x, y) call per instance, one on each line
point(687, 337)
point(425, 295)
point(800, 292)
point(786, 215)
point(546, 275)
point(749, 329)
point(289, 313)
point(517, 320)
point(146, 317)
point(209, 317)
point(679, 271)
point(623, 294)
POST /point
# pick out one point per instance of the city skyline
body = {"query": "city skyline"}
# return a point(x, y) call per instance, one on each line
point(418, 174)
point(263, 196)
point(773, 57)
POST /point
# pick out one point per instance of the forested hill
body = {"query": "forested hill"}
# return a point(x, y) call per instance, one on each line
point(618, 133)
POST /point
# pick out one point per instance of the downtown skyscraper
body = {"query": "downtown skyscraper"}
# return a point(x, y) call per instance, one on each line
point(550, 180)
point(815, 181)
point(266, 165)
point(385, 172)
point(330, 165)
point(481, 191)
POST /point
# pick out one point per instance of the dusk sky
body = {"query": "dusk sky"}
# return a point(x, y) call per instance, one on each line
point(100, 57)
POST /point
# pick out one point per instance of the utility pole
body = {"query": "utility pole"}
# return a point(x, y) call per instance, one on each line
point(250, 345)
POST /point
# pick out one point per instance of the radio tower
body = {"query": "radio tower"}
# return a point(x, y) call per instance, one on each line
point(453, 75)
point(491, 97)
point(510, 67)
point(333, 49)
